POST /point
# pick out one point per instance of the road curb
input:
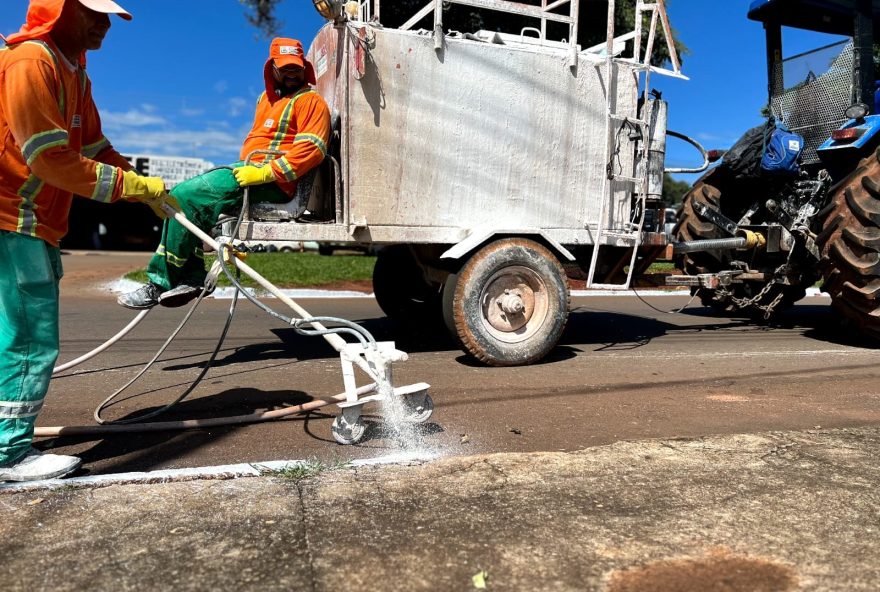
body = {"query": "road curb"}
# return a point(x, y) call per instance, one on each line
point(219, 472)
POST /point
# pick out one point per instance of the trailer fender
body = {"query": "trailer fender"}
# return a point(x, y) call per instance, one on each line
point(479, 236)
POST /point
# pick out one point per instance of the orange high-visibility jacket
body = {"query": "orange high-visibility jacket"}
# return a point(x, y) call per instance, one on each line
point(52, 143)
point(298, 125)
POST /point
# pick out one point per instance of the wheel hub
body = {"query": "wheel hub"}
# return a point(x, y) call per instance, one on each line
point(509, 300)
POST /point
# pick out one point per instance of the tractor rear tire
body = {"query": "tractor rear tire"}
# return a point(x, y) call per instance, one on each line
point(850, 247)
point(509, 304)
point(691, 226)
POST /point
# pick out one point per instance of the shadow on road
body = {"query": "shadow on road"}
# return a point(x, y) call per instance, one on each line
point(145, 451)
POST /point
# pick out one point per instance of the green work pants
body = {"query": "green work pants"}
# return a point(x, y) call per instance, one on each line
point(29, 273)
point(179, 258)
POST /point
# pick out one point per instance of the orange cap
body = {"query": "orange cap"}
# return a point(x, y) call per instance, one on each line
point(286, 52)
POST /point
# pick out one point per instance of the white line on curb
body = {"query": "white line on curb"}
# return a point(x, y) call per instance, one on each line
point(236, 471)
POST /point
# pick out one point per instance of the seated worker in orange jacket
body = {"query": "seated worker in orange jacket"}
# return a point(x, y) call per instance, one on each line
point(51, 148)
point(291, 118)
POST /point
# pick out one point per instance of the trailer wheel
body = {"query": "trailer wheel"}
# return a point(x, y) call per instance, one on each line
point(850, 247)
point(510, 303)
point(399, 286)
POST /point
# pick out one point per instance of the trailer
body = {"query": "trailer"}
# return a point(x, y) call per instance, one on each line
point(491, 167)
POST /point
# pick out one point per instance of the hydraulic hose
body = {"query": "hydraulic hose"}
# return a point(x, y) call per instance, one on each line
point(223, 249)
point(136, 424)
point(85, 357)
point(337, 342)
point(104, 404)
point(191, 424)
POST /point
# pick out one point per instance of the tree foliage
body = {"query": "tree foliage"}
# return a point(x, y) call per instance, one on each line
point(592, 21)
point(673, 191)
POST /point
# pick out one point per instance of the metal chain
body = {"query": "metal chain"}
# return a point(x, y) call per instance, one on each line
point(743, 303)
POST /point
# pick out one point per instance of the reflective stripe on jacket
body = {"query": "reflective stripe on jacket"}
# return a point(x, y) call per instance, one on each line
point(52, 141)
point(299, 126)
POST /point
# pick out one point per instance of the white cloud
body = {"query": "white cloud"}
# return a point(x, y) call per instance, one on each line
point(131, 118)
point(236, 106)
point(190, 112)
point(221, 86)
point(215, 145)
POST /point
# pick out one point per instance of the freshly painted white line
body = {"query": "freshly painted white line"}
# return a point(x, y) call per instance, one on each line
point(227, 293)
point(236, 471)
point(123, 286)
point(655, 292)
point(852, 352)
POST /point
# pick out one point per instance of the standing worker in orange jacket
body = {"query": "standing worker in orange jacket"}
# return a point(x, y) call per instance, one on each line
point(291, 118)
point(51, 147)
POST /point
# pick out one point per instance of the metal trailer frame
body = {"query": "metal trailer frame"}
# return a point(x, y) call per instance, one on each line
point(447, 142)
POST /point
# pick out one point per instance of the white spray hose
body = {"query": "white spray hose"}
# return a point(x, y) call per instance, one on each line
point(337, 342)
point(85, 357)
point(334, 340)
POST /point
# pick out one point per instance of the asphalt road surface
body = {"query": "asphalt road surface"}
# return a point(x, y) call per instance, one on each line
point(621, 371)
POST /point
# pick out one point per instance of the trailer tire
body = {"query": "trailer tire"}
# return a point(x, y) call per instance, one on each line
point(447, 310)
point(400, 288)
point(525, 277)
point(850, 247)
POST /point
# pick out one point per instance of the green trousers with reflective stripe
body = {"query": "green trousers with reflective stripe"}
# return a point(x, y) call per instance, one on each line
point(29, 273)
point(179, 258)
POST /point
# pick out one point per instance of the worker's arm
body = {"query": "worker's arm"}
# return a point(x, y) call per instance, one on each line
point(312, 122)
point(35, 122)
point(312, 136)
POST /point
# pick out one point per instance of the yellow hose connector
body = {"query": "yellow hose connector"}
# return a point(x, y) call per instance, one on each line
point(229, 251)
point(753, 239)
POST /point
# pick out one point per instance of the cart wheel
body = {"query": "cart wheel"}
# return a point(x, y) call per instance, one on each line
point(419, 409)
point(346, 432)
point(510, 302)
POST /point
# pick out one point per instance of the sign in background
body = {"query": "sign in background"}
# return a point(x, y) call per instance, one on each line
point(173, 169)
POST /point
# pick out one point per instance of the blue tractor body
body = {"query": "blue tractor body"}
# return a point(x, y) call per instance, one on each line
point(814, 105)
point(824, 16)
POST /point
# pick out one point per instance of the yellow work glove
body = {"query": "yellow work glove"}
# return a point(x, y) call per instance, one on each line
point(137, 186)
point(253, 175)
point(148, 190)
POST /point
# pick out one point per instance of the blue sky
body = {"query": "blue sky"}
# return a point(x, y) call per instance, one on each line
point(182, 78)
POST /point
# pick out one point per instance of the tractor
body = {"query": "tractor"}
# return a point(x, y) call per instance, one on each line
point(821, 222)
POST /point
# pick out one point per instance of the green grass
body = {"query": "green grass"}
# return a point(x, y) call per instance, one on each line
point(295, 270)
point(304, 470)
point(305, 270)
point(662, 267)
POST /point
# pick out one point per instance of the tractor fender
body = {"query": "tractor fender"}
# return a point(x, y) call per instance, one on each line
point(870, 128)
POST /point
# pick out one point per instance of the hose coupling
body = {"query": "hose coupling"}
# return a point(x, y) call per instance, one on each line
point(229, 251)
point(753, 239)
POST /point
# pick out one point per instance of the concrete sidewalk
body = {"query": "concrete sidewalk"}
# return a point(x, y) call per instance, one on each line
point(780, 511)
